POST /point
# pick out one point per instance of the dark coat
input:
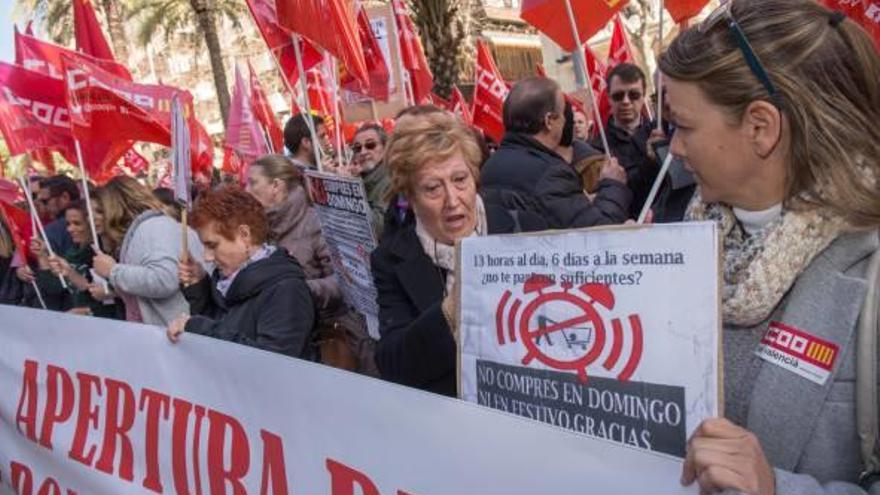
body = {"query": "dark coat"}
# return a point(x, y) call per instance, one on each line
point(632, 153)
point(268, 306)
point(416, 347)
point(549, 186)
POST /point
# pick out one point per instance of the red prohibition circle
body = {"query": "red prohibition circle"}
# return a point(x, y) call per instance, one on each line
point(529, 336)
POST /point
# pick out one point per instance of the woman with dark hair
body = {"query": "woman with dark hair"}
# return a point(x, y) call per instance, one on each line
point(433, 160)
point(775, 105)
point(257, 294)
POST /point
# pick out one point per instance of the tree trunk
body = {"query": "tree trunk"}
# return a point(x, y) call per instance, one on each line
point(205, 14)
point(442, 32)
point(113, 13)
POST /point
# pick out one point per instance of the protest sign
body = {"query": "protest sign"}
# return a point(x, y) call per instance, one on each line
point(95, 406)
point(613, 333)
point(341, 203)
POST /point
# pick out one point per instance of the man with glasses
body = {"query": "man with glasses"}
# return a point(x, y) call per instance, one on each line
point(56, 194)
point(368, 155)
point(629, 134)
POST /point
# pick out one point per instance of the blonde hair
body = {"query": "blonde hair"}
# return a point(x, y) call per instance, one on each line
point(827, 75)
point(122, 200)
point(429, 138)
point(279, 167)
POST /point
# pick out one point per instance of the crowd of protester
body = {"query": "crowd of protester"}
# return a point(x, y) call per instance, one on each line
point(770, 116)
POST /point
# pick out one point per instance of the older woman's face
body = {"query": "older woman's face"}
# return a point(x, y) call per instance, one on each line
point(721, 154)
point(227, 254)
point(444, 199)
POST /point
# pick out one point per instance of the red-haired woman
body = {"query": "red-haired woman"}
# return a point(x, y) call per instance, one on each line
point(257, 295)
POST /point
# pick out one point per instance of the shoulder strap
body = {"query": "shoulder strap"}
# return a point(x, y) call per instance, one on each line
point(866, 372)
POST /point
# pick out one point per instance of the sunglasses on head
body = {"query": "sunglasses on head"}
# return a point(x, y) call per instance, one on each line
point(369, 146)
point(633, 95)
point(722, 14)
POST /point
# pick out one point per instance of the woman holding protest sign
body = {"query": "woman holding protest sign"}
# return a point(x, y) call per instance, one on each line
point(776, 104)
point(278, 185)
point(433, 160)
point(257, 294)
point(147, 244)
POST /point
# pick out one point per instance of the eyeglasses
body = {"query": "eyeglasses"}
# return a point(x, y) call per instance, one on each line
point(633, 95)
point(369, 146)
point(723, 12)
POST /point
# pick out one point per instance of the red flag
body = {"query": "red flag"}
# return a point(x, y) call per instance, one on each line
point(44, 156)
point(682, 10)
point(89, 37)
point(460, 106)
point(438, 101)
point(243, 133)
point(104, 107)
point(864, 12)
point(280, 43)
point(376, 66)
point(321, 98)
point(490, 91)
point(203, 151)
point(619, 51)
point(19, 223)
point(29, 28)
point(550, 17)
point(330, 24)
point(232, 163)
point(597, 71)
point(46, 58)
point(263, 111)
point(411, 52)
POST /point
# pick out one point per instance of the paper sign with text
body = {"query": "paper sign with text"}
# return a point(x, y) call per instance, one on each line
point(341, 203)
point(95, 406)
point(612, 333)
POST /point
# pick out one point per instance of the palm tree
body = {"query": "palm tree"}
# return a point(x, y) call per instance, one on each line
point(173, 16)
point(442, 30)
point(58, 18)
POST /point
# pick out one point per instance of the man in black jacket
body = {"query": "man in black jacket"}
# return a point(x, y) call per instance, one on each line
point(526, 173)
point(630, 136)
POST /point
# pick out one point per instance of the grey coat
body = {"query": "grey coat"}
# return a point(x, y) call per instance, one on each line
point(807, 431)
point(147, 267)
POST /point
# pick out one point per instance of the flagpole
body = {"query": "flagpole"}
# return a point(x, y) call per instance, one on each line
point(267, 138)
point(579, 46)
point(404, 74)
point(36, 219)
point(336, 124)
point(85, 188)
point(660, 74)
point(655, 188)
point(289, 87)
point(304, 87)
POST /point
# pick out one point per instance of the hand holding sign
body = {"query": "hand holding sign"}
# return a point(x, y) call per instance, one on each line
point(722, 456)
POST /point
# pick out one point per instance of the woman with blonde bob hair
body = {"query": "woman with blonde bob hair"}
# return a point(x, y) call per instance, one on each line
point(776, 105)
point(147, 244)
point(433, 161)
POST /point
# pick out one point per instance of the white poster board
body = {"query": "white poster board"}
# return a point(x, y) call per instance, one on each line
point(95, 406)
point(612, 333)
point(341, 204)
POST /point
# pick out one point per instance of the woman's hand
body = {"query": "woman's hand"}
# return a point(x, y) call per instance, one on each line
point(189, 272)
point(99, 292)
point(103, 264)
point(59, 266)
point(723, 456)
point(176, 328)
point(83, 311)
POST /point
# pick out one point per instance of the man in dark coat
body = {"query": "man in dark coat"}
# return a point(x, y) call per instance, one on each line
point(526, 172)
point(630, 136)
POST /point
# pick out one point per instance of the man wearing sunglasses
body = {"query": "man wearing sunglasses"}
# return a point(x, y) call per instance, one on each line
point(629, 134)
point(368, 154)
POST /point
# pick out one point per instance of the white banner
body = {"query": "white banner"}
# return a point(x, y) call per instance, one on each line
point(612, 333)
point(341, 203)
point(93, 406)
